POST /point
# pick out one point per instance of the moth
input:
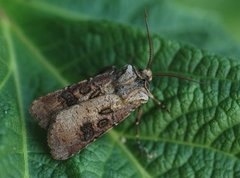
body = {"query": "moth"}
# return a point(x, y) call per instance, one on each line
point(78, 114)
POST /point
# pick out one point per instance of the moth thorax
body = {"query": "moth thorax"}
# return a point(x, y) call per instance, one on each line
point(147, 73)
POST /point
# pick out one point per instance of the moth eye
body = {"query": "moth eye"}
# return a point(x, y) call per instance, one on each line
point(103, 123)
point(88, 131)
point(85, 89)
point(69, 98)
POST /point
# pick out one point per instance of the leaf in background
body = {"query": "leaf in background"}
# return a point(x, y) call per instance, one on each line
point(42, 51)
point(170, 19)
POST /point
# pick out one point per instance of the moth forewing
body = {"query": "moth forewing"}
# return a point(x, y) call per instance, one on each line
point(44, 108)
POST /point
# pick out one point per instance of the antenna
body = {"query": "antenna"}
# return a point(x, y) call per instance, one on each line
point(175, 76)
point(149, 42)
point(151, 51)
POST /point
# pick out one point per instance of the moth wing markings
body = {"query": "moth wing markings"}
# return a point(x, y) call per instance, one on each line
point(66, 135)
point(46, 106)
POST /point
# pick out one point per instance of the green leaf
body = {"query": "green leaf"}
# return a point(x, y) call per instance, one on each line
point(48, 45)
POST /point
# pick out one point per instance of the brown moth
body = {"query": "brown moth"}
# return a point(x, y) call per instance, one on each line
point(78, 114)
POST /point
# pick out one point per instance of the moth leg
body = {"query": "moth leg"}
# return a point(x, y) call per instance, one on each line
point(159, 103)
point(137, 122)
point(140, 146)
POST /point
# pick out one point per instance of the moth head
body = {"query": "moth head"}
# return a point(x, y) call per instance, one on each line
point(147, 74)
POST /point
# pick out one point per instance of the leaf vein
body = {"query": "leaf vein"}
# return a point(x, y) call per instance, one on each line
point(16, 74)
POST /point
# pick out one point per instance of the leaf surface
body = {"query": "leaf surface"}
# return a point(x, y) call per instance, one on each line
point(48, 45)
